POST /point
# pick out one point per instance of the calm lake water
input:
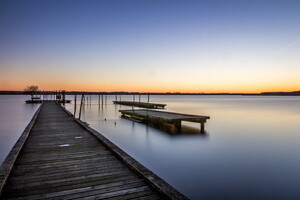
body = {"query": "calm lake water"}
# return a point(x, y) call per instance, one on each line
point(250, 149)
point(14, 117)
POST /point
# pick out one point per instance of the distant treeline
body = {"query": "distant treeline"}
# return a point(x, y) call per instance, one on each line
point(296, 93)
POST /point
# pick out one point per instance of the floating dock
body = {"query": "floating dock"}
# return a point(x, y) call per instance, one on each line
point(141, 104)
point(60, 157)
point(159, 117)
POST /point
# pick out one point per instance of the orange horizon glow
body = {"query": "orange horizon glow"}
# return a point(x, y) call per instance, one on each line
point(88, 88)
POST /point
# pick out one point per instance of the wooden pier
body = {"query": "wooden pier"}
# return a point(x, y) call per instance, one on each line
point(159, 117)
point(60, 157)
point(41, 101)
point(141, 104)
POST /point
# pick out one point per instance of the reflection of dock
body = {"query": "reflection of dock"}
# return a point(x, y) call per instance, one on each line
point(141, 104)
point(60, 157)
point(159, 117)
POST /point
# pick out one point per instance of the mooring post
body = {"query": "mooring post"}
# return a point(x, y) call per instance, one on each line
point(75, 105)
point(105, 99)
point(99, 100)
point(202, 127)
point(81, 104)
point(148, 104)
point(64, 97)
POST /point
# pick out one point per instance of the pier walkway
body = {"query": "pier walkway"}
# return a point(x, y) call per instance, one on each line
point(60, 157)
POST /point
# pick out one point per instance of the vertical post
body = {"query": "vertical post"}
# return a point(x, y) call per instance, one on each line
point(81, 104)
point(64, 97)
point(120, 98)
point(99, 100)
point(102, 98)
point(90, 99)
point(75, 105)
point(133, 98)
point(148, 105)
point(116, 98)
point(105, 99)
point(177, 126)
point(202, 127)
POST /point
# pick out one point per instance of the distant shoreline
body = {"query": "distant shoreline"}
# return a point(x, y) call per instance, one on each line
point(295, 93)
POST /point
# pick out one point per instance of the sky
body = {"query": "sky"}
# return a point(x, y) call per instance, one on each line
point(150, 45)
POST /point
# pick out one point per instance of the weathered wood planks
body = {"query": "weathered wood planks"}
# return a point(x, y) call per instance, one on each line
point(66, 159)
point(141, 104)
point(164, 117)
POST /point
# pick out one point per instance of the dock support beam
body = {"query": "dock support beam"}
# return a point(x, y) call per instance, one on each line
point(202, 127)
point(177, 125)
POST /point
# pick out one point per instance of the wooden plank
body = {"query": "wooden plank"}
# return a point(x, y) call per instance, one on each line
point(141, 104)
point(63, 193)
point(160, 117)
point(164, 115)
point(54, 188)
point(159, 184)
point(82, 167)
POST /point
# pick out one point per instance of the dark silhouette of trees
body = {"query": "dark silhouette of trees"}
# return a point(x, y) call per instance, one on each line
point(32, 90)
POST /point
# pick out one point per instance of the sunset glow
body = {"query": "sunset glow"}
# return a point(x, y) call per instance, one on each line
point(150, 46)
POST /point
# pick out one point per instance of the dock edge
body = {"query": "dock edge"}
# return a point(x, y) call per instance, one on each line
point(10, 159)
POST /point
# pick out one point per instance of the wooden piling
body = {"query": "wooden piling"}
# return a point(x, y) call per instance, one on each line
point(81, 104)
point(75, 104)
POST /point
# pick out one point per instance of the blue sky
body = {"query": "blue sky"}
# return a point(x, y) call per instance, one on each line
point(188, 46)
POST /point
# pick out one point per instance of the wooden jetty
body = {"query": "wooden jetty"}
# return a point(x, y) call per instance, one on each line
point(141, 104)
point(41, 101)
point(60, 157)
point(159, 117)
